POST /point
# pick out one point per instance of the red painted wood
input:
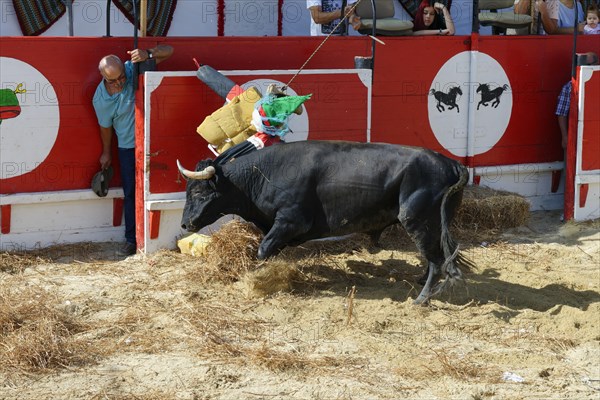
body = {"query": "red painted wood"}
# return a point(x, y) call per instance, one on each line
point(590, 151)
point(400, 91)
point(5, 212)
point(583, 192)
point(154, 222)
point(569, 209)
point(555, 181)
point(117, 211)
point(536, 68)
point(235, 91)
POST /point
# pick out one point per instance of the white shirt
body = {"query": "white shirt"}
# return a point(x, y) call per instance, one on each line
point(326, 6)
point(588, 30)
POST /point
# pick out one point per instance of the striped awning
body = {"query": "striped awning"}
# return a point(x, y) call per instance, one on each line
point(36, 16)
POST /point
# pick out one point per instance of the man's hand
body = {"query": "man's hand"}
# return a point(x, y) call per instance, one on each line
point(105, 160)
point(159, 53)
point(138, 55)
point(541, 5)
point(353, 19)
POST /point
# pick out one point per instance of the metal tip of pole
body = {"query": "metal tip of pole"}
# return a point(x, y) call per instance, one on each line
point(376, 39)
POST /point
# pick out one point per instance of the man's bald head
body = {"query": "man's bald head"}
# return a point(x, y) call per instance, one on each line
point(592, 58)
point(111, 67)
point(589, 58)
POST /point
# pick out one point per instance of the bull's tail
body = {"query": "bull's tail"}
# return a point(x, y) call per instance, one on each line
point(455, 263)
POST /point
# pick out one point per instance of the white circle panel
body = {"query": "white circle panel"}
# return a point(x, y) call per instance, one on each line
point(464, 107)
point(26, 139)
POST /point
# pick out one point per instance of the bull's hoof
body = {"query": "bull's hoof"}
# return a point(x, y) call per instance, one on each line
point(423, 298)
point(421, 301)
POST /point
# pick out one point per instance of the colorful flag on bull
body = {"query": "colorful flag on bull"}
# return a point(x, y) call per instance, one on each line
point(271, 113)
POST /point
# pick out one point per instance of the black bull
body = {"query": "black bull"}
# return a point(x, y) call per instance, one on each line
point(307, 190)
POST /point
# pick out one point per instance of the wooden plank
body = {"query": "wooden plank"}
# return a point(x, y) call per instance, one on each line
point(143, 17)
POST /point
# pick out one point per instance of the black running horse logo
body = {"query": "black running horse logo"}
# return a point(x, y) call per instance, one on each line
point(448, 99)
point(488, 95)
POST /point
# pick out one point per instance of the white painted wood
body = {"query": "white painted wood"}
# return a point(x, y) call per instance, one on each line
point(165, 205)
point(60, 196)
point(48, 223)
point(34, 240)
point(591, 209)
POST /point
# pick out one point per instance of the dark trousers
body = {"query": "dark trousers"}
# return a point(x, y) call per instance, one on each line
point(127, 161)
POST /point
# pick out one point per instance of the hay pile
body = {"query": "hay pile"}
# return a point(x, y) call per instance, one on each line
point(275, 276)
point(37, 333)
point(231, 252)
point(16, 262)
point(485, 208)
point(231, 255)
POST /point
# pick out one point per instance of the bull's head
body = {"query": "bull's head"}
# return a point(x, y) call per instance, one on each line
point(202, 205)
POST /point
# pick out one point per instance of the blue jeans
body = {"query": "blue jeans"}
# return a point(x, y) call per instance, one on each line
point(127, 161)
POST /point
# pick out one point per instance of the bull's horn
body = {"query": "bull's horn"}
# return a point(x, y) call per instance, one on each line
point(207, 173)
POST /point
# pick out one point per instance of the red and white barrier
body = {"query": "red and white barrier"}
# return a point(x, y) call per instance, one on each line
point(582, 193)
point(50, 151)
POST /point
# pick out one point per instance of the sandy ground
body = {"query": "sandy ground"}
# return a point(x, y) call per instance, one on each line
point(525, 326)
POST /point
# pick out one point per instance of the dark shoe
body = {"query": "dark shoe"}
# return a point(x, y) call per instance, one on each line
point(127, 249)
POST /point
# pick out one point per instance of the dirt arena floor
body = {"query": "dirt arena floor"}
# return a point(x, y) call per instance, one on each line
point(76, 322)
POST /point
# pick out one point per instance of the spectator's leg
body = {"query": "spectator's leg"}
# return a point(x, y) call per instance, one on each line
point(127, 161)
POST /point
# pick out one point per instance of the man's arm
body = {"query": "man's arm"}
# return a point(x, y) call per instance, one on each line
point(569, 30)
point(432, 32)
point(160, 53)
point(549, 16)
point(562, 112)
point(550, 24)
point(563, 124)
point(320, 17)
point(546, 14)
point(522, 7)
point(448, 20)
point(105, 136)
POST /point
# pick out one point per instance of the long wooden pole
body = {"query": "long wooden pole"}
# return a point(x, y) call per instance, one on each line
point(143, 17)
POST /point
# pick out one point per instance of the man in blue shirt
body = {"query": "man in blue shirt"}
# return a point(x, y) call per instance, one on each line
point(114, 103)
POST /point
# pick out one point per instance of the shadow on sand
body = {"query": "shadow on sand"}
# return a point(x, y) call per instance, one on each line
point(397, 279)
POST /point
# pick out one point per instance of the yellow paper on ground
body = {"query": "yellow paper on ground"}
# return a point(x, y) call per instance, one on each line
point(194, 244)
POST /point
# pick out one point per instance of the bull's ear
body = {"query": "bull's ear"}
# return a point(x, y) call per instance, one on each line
point(202, 164)
point(215, 180)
